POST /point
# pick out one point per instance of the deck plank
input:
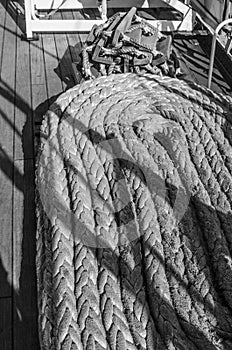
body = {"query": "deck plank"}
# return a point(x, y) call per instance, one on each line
point(6, 324)
point(24, 251)
point(74, 41)
point(38, 85)
point(38, 77)
point(6, 204)
point(77, 15)
point(23, 141)
point(64, 68)
point(7, 86)
point(7, 95)
point(54, 83)
point(2, 25)
point(37, 62)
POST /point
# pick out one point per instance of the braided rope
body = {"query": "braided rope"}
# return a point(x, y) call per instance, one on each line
point(134, 196)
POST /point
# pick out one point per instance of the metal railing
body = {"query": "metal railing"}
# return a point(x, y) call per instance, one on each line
point(37, 23)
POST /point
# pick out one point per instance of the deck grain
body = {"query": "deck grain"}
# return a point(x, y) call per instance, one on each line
point(39, 102)
point(64, 68)
point(75, 42)
point(7, 86)
point(74, 39)
point(53, 81)
point(24, 251)
point(23, 138)
point(6, 205)
point(2, 31)
point(81, 15)
point(7, 96)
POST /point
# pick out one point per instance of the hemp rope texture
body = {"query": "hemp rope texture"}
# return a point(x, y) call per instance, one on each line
point(126, 154)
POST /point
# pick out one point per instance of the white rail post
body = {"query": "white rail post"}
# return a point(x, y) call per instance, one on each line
point(28, 7)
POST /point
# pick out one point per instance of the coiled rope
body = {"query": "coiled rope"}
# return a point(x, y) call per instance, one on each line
point(134, 196)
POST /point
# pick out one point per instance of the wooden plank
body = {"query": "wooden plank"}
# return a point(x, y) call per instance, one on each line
point(2, 11)
point(82, 36)
point(75, 40)
point(7, 86)
point(24, 251)
point(7, 83)
point(2, 25)
point(38, 77)
point(6, 324)
point(44, 81)
point(37, 62)
point(54, 84)
point(64, 69)
point(6, 203)
point(23, 141)
point(38, 86)
point(46, 84)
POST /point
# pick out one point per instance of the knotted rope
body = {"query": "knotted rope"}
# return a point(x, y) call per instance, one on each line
point(134, 196)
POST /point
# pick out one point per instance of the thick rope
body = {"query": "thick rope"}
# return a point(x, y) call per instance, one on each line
point(134, 197)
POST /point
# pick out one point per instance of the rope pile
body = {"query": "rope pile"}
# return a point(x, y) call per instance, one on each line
point(125, 155)
point(127, 43)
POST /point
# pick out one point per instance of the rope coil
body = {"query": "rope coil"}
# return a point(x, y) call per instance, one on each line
point(134, 198)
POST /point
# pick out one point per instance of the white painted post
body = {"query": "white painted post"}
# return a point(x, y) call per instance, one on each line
point(28, 8)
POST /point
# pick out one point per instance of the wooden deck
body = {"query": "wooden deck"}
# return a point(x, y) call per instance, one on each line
point(32, 75)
